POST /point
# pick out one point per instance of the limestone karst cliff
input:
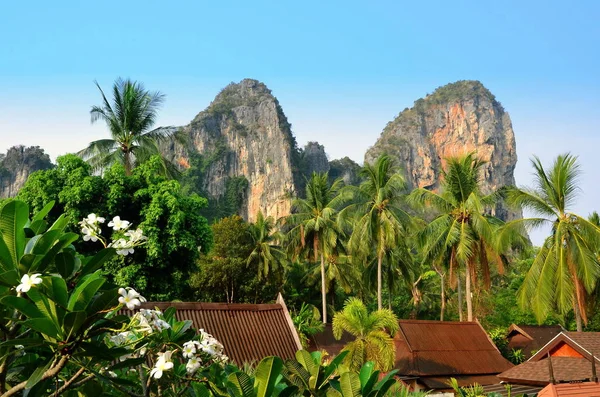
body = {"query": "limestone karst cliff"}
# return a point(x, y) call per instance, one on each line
point(16, 166)
point(244, 134)
point(456, 118)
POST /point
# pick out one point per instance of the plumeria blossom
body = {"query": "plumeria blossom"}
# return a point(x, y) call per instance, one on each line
point(130, 298)
point(163, 364)
point(136, 236)
point(122, 246)
point(28, 281)
point(189, 349)
point(118, 224)
point(93, 219)
point(192, 365)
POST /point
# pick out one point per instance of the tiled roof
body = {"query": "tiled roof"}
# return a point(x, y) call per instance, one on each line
point(531, 338)
point(585, 343)
point(249, 332)
point(565, 369)
point(587, 389)
point(590, 341)
point(436, 348)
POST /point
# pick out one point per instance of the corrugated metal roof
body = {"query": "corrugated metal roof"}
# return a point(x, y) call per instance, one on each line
point(248, 332)
point(324, 340)
point(434, 348)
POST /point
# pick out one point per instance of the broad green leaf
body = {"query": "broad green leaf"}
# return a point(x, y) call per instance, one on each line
point(65, 263)
point(31, 243)
point(85, 291)
point(365, 372)
point(6, 261)
point(36, 376)
point(58, 288)
point(13, 217)
point(350, 385)
point(22, 305)
point(130, 362)
point(46, 306)
point(200, 390)
point(63, 242)
point(10, 278)
point(266, 374)
point(45, 241)
point(108, 299)
point(43, 325)
point(96, 262)
point(240, 384)
point(72, 322)
point(37, 227)
point(61, 223)
point(43, 212)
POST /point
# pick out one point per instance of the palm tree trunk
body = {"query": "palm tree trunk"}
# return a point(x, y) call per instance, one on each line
point(578, 319)
point(323, 293)
point(460, 305)
point(379, 262)
point(127, 161)
point(443, 297)
point(468, 296)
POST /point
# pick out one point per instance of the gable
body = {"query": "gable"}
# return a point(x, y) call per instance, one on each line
point(562, 349)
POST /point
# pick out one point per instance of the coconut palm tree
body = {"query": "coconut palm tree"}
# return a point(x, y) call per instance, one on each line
point(314, 229)
point(129, 117)
point(375, 214)
point(566, 267)
point(267, 255)
point(462, 231)
point(374, 334)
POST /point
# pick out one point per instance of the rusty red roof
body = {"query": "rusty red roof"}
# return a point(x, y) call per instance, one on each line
point(564, 369)
point(587, 389)
point(324, 340)
point(446, 349)
point(531, 338)
point(248, 332)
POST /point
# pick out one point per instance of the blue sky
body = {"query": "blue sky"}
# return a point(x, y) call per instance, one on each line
point(341, 70)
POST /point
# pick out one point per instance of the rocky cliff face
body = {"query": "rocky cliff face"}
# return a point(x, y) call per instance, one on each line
point(245, 134)
point(457, 118)
point(16, 166)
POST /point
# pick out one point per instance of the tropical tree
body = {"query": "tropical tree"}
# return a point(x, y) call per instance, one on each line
point(375, 214)
point(462, 231)
point(267, 255)
point(314, 229)
point(129, 117)
point(566, 267)
point(374, 335)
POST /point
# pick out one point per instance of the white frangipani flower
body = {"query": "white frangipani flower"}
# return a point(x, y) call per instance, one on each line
point(28, 281)
point(92, 219)
point(192, 365)
point(122, 246)
point(130, 298)
point(118, 224)
point(163, 364)
point(189, 349)
point(136, 235)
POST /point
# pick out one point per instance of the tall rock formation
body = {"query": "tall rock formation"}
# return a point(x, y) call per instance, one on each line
point(16, 166)
point(457, 118)
point(244, 134)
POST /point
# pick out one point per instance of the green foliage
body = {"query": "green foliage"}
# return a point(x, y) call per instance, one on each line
point(307, 323)
point(171, 220)
point(373, 332)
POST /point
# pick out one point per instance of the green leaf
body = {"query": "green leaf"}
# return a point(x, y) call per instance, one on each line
point(240, 385)
point(61, 223)
point(43, 212)
point(36, 376)
point(85, 291)
point(58, 288)
point(108, 299)
point(200, 390)
point(45, 241)
point(10, 278)
point(38, 227)
point(94, 263)
point(130, 362)
point(14, 215)
point(6, 261)
point(44, 325)
point(63, 242)
point(350, 384)
point(266, 374)
point(65, 263)
point(22, 305)
point(72, 322)
point(46, 306)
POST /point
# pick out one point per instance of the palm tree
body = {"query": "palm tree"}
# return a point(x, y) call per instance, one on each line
point(314, 230)
point(462, 231)
point(129, 117)
point(267, 255)
point(375, 214)
point(566, 266)
point(374, 334)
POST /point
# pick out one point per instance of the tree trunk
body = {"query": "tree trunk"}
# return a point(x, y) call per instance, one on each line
point(443, 296)
point(468, 296)
point(460, 307)
point(127, 162)
point(578, 319)
point(389, 298)
point(323, 293)
point(379, 262)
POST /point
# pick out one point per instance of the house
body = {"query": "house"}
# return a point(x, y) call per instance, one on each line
point(530, 338)
point(586, 389)
point(324, 341)
point(248, 332)
point(431, 352)
point(566, 358)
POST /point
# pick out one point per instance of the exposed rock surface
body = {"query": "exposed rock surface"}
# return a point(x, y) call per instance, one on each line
point(345, 168)
point(244, 132)
point(457, 118)
point(16, 166)
point(314, 159)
